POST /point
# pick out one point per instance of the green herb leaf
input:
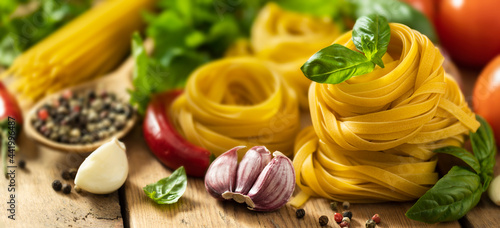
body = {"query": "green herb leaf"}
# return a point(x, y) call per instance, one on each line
point(371, 34)
point(463, 154)
point(168, 190)
point(484, 148)
point(335, 64)
point(450, 199)
point(20, 32)
point(394, 11)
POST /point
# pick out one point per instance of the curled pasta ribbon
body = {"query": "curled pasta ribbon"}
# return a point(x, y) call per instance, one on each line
point(287, 39)
point(373, 135)
point(237, 101)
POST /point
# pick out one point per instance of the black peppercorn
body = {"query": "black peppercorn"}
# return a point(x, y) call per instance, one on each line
point(72, 173)
point(323, 220)
point(21, 164)
point(300, 213)
point(56, 185)
point(65, 175)
point(66, 188)
point(347, 214)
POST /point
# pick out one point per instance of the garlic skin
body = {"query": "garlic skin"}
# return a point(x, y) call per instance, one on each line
point(221, 174)
point(104, 170)
point(494, 190)
point(274, 186)
point(264, 184)
point(250, 167)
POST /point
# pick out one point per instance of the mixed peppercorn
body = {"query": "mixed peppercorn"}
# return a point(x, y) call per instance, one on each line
point(82, 117)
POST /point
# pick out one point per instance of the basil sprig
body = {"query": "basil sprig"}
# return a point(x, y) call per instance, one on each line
point(336, 63)
point(457, 192)
point(168, 190)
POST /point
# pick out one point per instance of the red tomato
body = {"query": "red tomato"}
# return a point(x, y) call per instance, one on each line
point(486, 96)
point(427, 7)
point(469, 30)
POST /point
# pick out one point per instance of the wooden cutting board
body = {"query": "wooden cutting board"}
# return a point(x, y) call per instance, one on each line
point(37, 205)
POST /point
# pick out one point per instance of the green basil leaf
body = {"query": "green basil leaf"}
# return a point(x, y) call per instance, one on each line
point(371, 35)
point(335, 64)
point(463, 154)
point(168, 190)
point(450, 199)
point(484, 148)
point(395, 11)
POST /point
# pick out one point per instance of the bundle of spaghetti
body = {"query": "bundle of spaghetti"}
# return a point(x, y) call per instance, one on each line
point(237, 101)
point(287, 39)
point(373, 135)
point(92, 44)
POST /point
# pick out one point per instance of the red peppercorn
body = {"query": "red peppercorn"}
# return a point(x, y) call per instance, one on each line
point(344, 224)
point(338, 217)
point(376, 218)
point(43, 114)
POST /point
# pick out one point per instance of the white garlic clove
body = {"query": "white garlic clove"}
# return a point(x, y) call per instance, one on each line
point(105, 170)
point(494, 190)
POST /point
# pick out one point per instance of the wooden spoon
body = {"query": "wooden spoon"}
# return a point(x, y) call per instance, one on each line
point(117, 82)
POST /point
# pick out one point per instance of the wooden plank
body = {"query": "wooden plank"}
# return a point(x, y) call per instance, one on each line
point(38, 205)
point(198, 209)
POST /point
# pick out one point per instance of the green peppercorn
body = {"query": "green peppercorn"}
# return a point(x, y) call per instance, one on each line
point(65, 175)
point(333, 205)
point(56, 185)
point(300, 213)
point(370, 223)
point(66, 188)
point(347, 214)
point(323, 220)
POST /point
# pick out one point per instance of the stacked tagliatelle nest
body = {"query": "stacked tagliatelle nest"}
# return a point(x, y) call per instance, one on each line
point(237, 102)
point(285, 40)
point(373, 135)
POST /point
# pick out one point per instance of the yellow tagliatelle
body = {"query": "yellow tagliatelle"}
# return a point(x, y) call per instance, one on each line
point(234, 102)
point(287, 39)
point(373, 135)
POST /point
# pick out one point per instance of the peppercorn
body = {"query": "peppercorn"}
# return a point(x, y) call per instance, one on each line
point(65, 175)
point(66, 188)
point(370, 223)
point(346, 219)
point(323, 220)
point(300, 213)
point(333, 205)
point(337, 217)
point(21, 164)
point(344, 224)
point(72, 173)
point(346, 205)
point(376, 218)
point(56, 185)
point(347, 214)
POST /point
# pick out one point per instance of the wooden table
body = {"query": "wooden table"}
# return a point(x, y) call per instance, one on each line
point(37, 205)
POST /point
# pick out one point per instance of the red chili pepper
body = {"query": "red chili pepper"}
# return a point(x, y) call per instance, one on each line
point(10, 112)
point(166, 143)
